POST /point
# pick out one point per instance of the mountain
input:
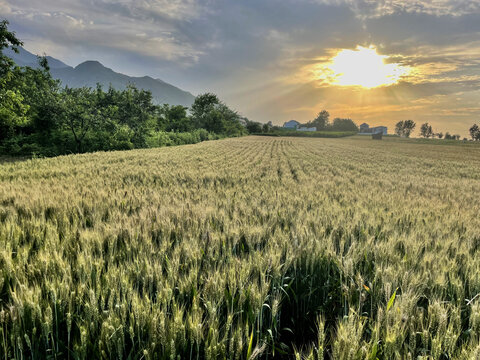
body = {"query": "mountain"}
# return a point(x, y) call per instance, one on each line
point(89, 73)
point(25, 58)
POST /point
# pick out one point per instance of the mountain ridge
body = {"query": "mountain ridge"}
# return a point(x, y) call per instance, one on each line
point(91, 72)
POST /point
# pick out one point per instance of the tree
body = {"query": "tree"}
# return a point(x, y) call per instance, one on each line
point(405, 128)
point(344, 125)
point(80, 113)
point(254, 127)
point(174, 118)
point(399, 128)
point(13, 109)
point(426, 130)
point(136, 109)
point(408, 126)
point(440, 135)
point(7, 39)
point(267, 127)
point(321, 122)
point(475, 132)
point(12, 112)
point(209, 113)
point(202, 107)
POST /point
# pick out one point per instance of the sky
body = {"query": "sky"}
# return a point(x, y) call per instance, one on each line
point(274, 60)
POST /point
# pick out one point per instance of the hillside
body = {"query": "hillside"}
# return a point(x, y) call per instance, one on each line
point(344, 248)
point(89, 73)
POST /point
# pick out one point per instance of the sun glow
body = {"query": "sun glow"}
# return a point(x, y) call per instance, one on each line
point(361, 67)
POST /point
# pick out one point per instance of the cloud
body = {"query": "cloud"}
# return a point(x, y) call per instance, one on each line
point(5, 9)
point(378, 8)
point(106, 24)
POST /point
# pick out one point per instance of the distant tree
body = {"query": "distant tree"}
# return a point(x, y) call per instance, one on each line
point(475, 132)
point(267, 127)
point(452, 137)
point(408, 126)
point(440, 135)
point(399, 128)
point(344, 125)
point(321, 122)
point(254, 127)
point(404, 128)
point(426, 131)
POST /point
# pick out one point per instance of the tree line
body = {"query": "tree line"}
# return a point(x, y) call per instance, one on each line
point(321, 122)
point(39, 116)
point(405, 128)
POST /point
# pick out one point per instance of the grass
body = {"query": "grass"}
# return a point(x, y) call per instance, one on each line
point(254, 247)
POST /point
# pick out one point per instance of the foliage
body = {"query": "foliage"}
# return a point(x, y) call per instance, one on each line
point(475, 132)
point(404, 128)
point(343, 125)
point(38, 117)
point(252, 247)
point(321, 122)
point(7, 39)
point(255, 127)
point(448, 136)
point(426, 130)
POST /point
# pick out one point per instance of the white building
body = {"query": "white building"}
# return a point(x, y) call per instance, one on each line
point(304, 128)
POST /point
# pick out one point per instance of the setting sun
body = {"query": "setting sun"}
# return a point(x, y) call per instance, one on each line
point(361, 67)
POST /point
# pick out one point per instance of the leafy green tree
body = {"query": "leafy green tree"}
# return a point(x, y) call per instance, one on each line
point(7, 39)
point(12, 112)
point(12, 106)
point(42, 94)
point(209, 113)
point(202, 108)
point(136, 109)
point(79, 113)
point(174, 118)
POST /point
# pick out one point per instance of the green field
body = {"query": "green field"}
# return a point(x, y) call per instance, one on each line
point(253, 247)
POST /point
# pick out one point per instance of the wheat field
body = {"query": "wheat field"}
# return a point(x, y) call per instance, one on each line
point(244, 248)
